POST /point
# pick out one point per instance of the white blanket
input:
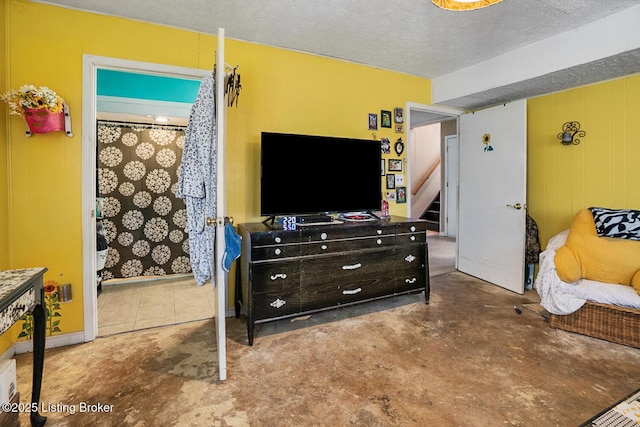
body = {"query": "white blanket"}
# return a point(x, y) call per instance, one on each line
point(559, 297)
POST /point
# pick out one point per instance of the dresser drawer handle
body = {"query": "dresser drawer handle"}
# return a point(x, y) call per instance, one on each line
point(352, 267)
point(278, 251)
point(278, 239)
point(323, 247)
point(413, 228)
point(379, 241)
point(278, 303)
point(412, 238)
point(278, 276)
point(412, 280)
point(352, 291)
point(324, 236)
point(379, 231)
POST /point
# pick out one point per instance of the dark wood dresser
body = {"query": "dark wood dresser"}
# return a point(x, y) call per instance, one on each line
point(290, 273)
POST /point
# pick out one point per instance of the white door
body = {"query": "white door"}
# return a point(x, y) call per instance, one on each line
point(451, 185)
point(220, 290)
point(492, 214)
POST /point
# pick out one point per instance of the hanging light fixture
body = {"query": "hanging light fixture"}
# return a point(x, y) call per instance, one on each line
point(461, 5)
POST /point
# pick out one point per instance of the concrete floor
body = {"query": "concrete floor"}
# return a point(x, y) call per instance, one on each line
point(466, 359)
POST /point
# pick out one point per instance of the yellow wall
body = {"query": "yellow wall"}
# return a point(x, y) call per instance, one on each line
point(282, 91)
point(4, 210)
point(601, 171)
point(7, 338)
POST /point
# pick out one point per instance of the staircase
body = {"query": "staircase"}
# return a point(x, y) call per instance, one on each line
point(432, 215)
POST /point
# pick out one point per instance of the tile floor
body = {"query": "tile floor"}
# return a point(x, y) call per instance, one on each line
point(135, 305)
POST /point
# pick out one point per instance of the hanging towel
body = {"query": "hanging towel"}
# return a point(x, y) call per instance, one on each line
point(232, 249)
point(197, 181)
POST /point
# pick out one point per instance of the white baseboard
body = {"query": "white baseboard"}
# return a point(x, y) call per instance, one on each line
point(51, 342)
point(8, 354)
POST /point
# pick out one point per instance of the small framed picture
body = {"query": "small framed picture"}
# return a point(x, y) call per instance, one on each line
point(399, 128)
point(391, 196)
point(385, 118)
point(401, 195)
point(399, 180)
point(398, 115)
point(391, 181)
point(395, 165)
point(385, 145)
point(382, 167)
point(373, 121)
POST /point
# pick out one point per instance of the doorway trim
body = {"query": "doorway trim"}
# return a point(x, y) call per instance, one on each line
point(439, 114)
point(90, 66)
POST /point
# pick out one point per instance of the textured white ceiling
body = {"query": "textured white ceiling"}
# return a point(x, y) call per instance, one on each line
point(411, 36)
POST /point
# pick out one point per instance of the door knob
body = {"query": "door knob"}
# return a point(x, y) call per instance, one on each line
point(516, 206)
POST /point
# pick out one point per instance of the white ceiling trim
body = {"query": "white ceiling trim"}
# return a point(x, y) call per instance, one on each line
point(605, 38)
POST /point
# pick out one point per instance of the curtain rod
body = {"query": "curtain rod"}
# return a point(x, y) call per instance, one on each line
point(141, 125)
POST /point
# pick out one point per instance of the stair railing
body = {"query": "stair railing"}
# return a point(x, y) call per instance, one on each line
point(426, 176)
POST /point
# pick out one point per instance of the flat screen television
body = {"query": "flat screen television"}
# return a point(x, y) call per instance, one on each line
point(306, 174)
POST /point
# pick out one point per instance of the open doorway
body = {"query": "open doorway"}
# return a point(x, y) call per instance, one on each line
point(91, 66)
point(432, 174)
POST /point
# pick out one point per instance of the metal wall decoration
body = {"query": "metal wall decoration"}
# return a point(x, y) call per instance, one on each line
point(399, 146)
point(569, 131)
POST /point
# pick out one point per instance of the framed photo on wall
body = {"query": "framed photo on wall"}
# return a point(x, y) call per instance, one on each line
point(398, 115)
point(391, 196)
point(401, 195)
point(385, 118)
point(373, 121)
point(391, 181)
point(385, 145)
point(395, 165)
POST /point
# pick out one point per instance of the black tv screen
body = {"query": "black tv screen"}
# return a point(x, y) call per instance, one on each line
point(305, 174)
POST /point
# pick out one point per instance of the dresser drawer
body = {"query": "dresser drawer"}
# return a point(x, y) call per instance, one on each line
point(275, 276)
point(410, 268)
point(16, 309)
point(274, 304)
point(275, 252)
point(410, 238)
point(275, 237)
point(412, 227)
point(320, 234)
point(410, 280)
point(409, 257)
point(340, 292)
point(341, 267)
point(331, 246)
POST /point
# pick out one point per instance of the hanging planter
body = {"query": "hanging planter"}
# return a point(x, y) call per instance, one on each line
point(41, 120)
point(42, 109)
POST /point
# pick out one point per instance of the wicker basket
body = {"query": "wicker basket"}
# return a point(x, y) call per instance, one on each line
point(608, 322)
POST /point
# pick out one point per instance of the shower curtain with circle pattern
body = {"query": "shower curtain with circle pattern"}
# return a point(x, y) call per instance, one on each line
point(143, 220)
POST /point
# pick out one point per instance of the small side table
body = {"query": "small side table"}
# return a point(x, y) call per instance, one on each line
point(21, 291)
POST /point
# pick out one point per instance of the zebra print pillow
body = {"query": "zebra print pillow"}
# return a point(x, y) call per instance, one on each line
point(621, 223)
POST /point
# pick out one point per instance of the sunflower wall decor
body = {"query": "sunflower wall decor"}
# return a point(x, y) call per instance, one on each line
point(52, 310)
point(486, 140)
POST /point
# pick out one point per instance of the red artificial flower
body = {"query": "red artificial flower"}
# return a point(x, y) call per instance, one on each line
point(50, 286)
